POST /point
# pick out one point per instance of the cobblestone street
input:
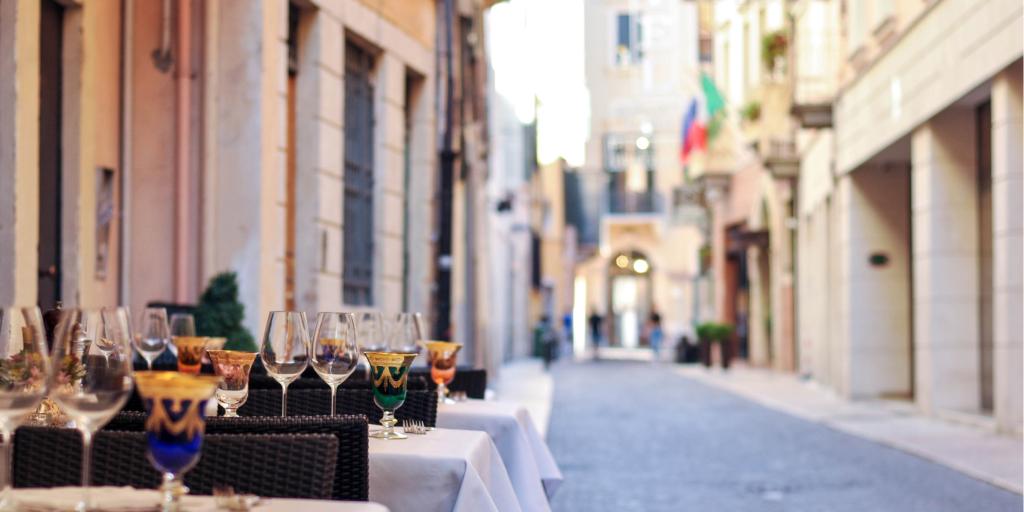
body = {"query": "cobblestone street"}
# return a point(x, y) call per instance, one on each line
point(636, 436)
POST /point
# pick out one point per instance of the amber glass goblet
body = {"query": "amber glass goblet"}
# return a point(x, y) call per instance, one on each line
point(190, 353)
point(233, 368)
point(442, 356)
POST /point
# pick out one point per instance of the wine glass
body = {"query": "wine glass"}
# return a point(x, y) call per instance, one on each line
point(233, 368)
point(91, 373)
point(183, 324)
point(370, 333)
point(23, 368)
point(175, 403)
point(335, 351)
point(442, 355)
point(406, 333)
point(389, 374)
point(152, 340)
point(285, 349)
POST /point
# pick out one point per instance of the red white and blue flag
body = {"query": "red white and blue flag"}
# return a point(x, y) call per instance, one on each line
point(694, 136)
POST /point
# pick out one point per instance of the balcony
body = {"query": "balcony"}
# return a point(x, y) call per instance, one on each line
point(635, 203)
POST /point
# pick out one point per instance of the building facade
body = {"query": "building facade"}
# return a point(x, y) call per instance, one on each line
point(147, 146)
point(748, 176)
point(910, 202)
point(641, 64)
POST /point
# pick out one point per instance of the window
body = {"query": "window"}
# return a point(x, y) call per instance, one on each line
point(357, 267)
point(628, 39)
point(614, 153)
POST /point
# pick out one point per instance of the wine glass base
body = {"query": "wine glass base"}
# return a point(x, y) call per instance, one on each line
point(448, 401)
point(388, 434)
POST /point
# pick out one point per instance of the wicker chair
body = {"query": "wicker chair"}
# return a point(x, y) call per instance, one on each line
point(356, 381)
point(419, 405)
point(471, 380)
point(272, 465)
point(352, 469)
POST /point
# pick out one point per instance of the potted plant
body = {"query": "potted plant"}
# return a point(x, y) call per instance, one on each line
point(710, 333)
point(773, 48)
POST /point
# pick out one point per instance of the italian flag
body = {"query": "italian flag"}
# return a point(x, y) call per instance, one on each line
point(698, 128)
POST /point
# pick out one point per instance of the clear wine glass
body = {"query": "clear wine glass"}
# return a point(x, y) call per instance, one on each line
point(23, 369)
point(335, 351)
point(370, 334)
point(405, 334)
point(183, 324)
point(285, 349)
point(155, 333)
point(91, 376)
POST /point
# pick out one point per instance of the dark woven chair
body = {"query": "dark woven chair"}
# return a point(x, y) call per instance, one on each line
point(473, 381)
point(272, 465)
point(352, 467)
point(419, 405)
point(355, 381)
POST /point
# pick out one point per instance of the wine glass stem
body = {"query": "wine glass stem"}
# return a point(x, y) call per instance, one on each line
point(334, 398)
point(284, 400)
point(149, 364)
point(6, 473)
point(86, 469)
point(442, 392)
point(172, 493)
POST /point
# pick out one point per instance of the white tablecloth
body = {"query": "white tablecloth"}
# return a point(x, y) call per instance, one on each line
point(443, 471)
point(533, 471)
point(127, 499)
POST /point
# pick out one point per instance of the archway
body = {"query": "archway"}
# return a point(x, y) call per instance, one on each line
point(629, 298)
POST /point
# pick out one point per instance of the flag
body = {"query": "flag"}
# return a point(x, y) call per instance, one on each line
point(715, 104)
point(693, 135)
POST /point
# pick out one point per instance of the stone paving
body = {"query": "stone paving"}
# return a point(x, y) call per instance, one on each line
point(639, 436)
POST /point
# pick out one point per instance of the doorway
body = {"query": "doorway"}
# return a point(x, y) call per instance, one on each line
point(630, 299)
point(51, 59)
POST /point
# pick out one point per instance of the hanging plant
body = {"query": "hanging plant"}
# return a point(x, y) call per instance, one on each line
point(751, 111)
point(773, 47)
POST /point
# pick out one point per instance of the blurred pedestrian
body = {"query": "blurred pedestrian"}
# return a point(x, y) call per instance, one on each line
point(596, 322)
point(654, 334)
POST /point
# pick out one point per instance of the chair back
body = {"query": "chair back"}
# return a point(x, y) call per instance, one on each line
point(270, 465)
point(419, 405)
point(352, 467)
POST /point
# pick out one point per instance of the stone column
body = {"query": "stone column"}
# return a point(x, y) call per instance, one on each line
point(1007, 241)
point(945, 247)
point(319, 114)
point(245, 131)
point(874, 297)
point(19, 151)
point(389, 178)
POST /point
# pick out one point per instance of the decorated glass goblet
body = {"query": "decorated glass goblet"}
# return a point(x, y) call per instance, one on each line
point(390, 375)
point(174, 426)
point(190, 353)
point(442, 356)
point(233, 368)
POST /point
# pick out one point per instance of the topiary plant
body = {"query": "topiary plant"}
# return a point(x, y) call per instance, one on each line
point(219, 313)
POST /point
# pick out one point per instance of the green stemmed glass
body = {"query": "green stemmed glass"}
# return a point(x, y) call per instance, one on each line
point(389, 373)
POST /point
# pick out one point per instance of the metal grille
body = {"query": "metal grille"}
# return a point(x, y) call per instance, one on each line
point(357, 273)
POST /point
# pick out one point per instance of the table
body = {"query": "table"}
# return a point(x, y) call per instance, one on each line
point(530, 465)
point(443, 471)
point(129, 499)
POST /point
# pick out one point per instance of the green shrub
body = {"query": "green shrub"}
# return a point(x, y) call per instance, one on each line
point(220, 314)
point(713, 331)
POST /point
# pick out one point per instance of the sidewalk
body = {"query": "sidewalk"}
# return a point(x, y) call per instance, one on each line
point(967, 445)
point(525, 381)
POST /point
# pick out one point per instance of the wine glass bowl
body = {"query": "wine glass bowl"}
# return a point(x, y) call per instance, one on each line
point(285, 349)
point(152, 340)
point(233, 368)
point(175, 404)
point(443, 356)
point(23, 371)
point(389, 374)
point(91, 373)
point(334, 350)
point(190, 353)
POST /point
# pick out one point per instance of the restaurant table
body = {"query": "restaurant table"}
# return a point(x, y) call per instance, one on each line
point(127, 499)
point(443, 470)
point(531, 467)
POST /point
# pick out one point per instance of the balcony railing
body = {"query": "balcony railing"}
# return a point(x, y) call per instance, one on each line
point(620, 202)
